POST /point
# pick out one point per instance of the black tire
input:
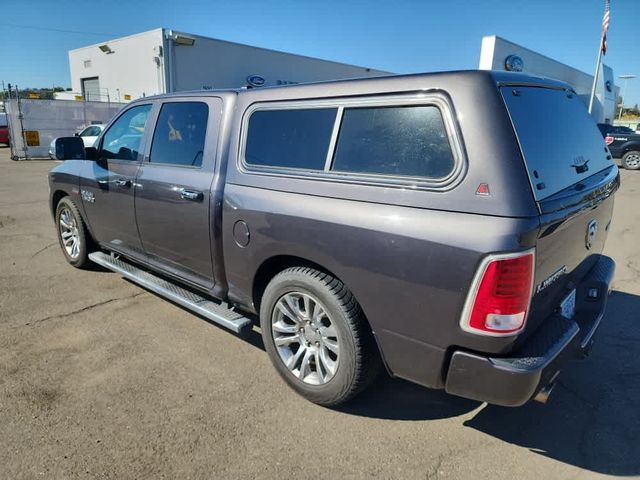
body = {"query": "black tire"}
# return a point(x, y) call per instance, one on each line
point(359, 361)
point(81, 258)
point(631, 160)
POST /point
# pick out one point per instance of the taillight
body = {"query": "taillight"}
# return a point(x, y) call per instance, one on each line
point(608, 140)
point(499, 300)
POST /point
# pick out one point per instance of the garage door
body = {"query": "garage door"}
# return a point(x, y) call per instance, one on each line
point(91, 89)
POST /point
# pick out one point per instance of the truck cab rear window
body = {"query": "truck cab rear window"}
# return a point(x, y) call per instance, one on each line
point(295, 138)
point(396, 141)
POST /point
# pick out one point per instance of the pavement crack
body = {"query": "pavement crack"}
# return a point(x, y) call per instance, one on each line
point(44, 248)
point(83, 309)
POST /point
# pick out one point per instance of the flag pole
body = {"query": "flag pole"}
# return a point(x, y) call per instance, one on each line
point(601, 51)
point(595, 78)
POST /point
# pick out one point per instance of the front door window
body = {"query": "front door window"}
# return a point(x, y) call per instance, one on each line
point(122, 140)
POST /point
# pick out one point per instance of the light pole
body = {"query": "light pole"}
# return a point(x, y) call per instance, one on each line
point(624, 91)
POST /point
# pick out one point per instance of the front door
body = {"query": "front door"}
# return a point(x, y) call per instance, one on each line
point(108, 184)
point(173, 202)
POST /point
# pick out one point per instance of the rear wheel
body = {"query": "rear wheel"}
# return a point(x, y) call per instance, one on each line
point(631, 160)
point(317, 337)
point(72, 233)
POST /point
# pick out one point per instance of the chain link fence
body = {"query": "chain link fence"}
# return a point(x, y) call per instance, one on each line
point(34, 124)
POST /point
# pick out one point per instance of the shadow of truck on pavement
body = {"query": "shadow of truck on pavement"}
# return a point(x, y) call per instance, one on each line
point(591, 421)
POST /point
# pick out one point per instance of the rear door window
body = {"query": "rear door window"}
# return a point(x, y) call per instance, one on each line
point(293, 138)
point(180, 133)
point(409, 141)
point(560, 142)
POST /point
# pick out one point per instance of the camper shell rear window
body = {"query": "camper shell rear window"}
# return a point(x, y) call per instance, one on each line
point(559, 140)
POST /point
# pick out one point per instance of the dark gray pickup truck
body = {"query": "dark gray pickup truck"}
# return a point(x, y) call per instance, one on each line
point(623, 143)
point(428, 223)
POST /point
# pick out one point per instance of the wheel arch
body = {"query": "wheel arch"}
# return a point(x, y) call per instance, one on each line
point(271, 266)
point(58, 195)
point(55, 199)
point(630, 147)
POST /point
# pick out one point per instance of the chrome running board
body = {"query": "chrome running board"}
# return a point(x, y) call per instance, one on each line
point(215, 312)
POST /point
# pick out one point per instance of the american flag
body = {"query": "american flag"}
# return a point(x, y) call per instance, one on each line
point(605, 25)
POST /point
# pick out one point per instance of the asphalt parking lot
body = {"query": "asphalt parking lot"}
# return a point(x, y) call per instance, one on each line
point(102, 379)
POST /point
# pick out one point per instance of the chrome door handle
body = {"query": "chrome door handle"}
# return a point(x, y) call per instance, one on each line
point(191, 195)
point(123, 182)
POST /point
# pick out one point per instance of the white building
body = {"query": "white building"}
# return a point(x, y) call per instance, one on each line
point(162, 60)
point(500, 54)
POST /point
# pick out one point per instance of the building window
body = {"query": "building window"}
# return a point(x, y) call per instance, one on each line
point(87, 63)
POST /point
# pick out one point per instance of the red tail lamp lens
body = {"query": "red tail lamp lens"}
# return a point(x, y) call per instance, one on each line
point(503, 295)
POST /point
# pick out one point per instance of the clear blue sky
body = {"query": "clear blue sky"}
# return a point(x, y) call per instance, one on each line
point(401, 36)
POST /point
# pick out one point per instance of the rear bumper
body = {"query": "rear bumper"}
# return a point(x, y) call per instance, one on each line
point(515, 380)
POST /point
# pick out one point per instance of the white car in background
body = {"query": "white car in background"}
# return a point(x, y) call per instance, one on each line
point(89, 135)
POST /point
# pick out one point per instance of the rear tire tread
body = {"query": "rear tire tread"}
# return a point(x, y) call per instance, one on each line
point(367, 360)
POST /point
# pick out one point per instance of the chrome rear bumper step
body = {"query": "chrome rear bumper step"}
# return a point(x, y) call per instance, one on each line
point(215, 312)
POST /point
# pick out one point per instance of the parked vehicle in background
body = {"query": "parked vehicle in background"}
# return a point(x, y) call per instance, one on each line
point(4, 129)
point(605, 129)
point(625, 146)
point(89, 135)
point(364, 222)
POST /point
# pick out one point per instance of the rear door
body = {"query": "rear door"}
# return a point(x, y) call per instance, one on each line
point(573, 179)
point(173, 201)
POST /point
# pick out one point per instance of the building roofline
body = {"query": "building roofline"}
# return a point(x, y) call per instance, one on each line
point(169, 31)
point(279, 51)
point(139, 34)
point(533, 52)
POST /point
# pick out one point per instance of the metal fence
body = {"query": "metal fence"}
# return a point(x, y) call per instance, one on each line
point(33, 124)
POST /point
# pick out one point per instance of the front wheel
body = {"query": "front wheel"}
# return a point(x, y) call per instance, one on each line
point(72, 233)
point(317, 337)
point(631, 160)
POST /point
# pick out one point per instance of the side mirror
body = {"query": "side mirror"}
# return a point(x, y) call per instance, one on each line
point(91, 153)
point(69, 148)
point(76, 134)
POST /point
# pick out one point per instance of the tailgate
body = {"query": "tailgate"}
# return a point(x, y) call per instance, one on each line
point(573, 179)
point(574, 227)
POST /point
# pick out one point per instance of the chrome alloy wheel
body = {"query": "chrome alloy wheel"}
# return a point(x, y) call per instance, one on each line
point(632, 161)
point(305, 337)
point(69, 233)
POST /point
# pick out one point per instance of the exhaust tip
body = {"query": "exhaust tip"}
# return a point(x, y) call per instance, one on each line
point(543, 395)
